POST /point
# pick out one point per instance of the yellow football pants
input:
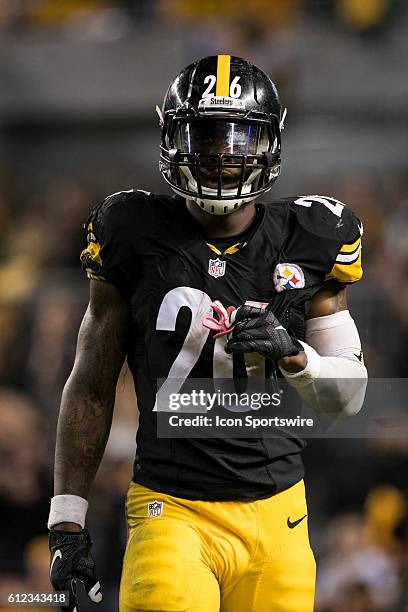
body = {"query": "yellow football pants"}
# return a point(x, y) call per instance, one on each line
point(200, 556)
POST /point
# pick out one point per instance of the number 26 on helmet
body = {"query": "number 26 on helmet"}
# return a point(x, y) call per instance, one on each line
point(221, 125)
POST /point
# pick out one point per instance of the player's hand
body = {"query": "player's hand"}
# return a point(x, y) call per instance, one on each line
point(71, 560)
point(257, 330)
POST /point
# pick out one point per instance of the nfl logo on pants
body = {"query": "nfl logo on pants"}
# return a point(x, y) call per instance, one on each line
point(154, 508)
point(216, 267)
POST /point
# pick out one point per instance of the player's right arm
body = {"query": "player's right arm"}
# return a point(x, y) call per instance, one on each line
point(83, 428)
point(88, 398)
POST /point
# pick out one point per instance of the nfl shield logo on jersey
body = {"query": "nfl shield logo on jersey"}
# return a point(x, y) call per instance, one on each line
point(216, 267)
point(154, 509)
point(288, 276)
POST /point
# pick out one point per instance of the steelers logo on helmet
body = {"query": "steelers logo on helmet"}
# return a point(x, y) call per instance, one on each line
point(221, 124)
point(288, 276)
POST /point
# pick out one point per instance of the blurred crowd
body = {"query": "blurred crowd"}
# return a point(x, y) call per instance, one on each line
point(103, 17)
point(358, 494)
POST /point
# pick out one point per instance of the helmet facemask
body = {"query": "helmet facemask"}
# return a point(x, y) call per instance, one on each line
point(220, 161)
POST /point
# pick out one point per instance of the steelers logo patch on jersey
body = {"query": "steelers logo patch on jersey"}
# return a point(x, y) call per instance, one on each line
point(288, 276)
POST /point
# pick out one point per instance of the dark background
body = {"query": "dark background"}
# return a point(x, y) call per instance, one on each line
point(78, 85)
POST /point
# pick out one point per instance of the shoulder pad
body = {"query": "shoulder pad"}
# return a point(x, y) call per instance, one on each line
point(115, 219)
point(126, 196)
point(328, 219)
point(114, 231)
point(120, 211)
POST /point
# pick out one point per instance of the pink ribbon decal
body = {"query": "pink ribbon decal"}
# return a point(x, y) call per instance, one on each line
point(220, 323)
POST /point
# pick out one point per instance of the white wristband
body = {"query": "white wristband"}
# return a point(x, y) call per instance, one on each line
point(67, 509)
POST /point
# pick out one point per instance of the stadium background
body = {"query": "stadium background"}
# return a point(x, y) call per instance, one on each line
point(79, 81)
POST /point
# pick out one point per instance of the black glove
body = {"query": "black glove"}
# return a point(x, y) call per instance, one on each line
point(257, 330)
point(71, 560)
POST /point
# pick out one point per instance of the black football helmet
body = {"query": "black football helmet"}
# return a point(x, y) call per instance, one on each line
point(221, 133)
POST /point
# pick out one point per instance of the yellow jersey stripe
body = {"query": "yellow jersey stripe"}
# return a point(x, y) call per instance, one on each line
point(232, 249)
point(347, 273)
point(214, 248)
point(349, 248)
point(223, 75)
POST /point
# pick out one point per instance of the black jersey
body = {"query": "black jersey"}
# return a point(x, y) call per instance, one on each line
point(150, 248)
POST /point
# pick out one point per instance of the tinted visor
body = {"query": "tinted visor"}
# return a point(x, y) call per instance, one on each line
point(213, 137)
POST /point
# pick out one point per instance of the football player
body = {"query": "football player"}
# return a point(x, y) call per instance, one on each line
point(214, 524)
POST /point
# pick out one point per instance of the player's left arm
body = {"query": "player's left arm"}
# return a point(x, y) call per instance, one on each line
point(329, 300)
point(329, 374)
point(327, 370)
